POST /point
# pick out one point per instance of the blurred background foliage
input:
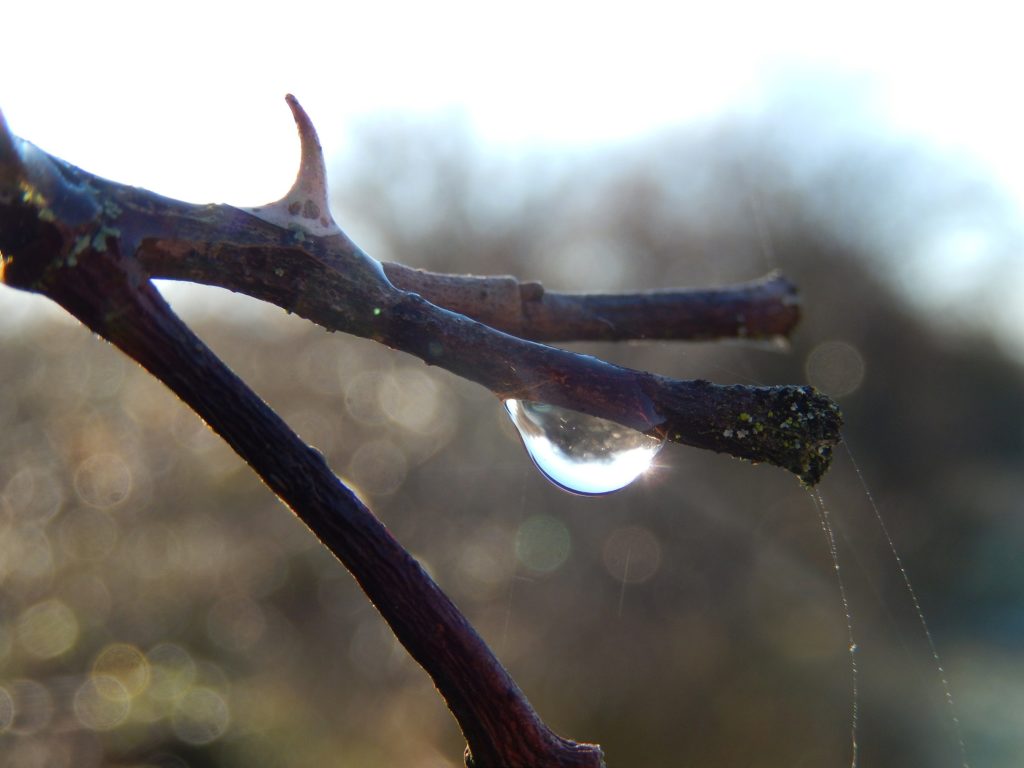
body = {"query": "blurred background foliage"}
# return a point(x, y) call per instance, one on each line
point(160, 608)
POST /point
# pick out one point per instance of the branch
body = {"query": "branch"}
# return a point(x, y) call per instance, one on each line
point(767, 308)
point(89, 275)
point(762, 309)
point(276, 254)
point(92, 245)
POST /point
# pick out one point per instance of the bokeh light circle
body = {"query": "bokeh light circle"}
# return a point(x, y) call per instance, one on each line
point(632, 554)
point(47, 629)
point(543, 543)
point(6, 709)
point(101, 703)
point(103, 480)
point(835, 367)
point(33, 706)
point(378, 467)
point(172, 671)
point(201, 717)
point(126, 664)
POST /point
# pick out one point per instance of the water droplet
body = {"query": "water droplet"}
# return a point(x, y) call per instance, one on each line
point(580, 453)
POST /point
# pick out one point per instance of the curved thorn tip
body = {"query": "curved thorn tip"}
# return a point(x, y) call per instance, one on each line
point(306, 204)
point(312, 170)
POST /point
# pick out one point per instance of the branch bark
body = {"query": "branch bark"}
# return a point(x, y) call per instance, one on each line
point(768, 308)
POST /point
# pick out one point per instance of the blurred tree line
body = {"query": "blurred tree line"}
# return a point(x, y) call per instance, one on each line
point(159, 607)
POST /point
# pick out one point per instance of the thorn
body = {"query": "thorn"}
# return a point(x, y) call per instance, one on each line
point(305, 206)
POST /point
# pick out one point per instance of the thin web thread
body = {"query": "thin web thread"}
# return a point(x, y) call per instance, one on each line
point(768, 253)
point(826, 526)
point(946, 690)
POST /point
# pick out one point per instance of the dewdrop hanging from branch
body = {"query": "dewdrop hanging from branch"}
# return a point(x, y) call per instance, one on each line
point(579, 453)
point(92, 246)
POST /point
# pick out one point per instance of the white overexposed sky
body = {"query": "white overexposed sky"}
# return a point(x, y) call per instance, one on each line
point(186, 98)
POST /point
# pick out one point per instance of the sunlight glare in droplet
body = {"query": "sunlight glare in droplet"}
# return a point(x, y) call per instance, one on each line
point(580, 453)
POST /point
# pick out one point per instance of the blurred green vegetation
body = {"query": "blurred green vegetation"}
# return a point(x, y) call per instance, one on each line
point(158, 607)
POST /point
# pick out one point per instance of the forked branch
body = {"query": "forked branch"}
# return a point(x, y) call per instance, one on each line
point(47, 249)
point(292, 254)
point(91, 245)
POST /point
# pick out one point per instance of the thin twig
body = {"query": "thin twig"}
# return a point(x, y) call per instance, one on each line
point(762, 309)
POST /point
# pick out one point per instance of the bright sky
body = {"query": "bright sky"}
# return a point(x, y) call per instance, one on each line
point(186, 98)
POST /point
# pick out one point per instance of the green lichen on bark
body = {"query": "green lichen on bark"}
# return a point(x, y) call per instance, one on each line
point(795, 428)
